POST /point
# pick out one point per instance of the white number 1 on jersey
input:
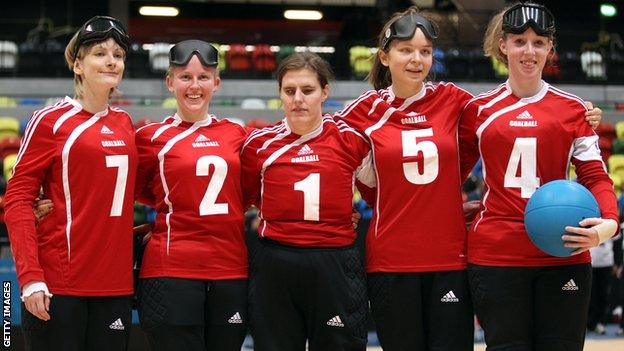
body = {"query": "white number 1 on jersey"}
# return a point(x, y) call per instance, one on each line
point(121, 162)
point(524, 154)
point(310, 186)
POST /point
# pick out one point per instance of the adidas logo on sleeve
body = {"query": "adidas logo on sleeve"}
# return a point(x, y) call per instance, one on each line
point(335, 322)
point(449, 297)
point(570, 285)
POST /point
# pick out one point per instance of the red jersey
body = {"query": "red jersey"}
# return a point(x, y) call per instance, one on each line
point(190, 173)
point(86, 164)
point(303, 184)
point(524, 143)
point(418, 223)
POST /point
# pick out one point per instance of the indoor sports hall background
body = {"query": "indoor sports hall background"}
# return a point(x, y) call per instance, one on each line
point(254, 35)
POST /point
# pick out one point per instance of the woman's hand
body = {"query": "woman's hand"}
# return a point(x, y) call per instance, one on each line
point(599, 231)
point(593, 116)
point(42, 208)
point(355, 219)
point(470, 210)
point(38, 304)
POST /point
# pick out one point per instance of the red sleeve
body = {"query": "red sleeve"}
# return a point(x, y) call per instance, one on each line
point(356, 113)
point(147, 169)
point(467, 140)
point(250, 173)
point(594, 177)
point(33, 164)
point(591, 170)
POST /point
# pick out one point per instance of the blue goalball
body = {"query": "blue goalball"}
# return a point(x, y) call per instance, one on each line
point(554, 206)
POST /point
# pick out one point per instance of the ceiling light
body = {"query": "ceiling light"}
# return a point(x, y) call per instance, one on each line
point(308, 15)
point(167, 11)
point(608, 10)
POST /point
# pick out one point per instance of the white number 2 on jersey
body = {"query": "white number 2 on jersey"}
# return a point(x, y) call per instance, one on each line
point(411, 147)
point(310, 186)
point(208, 205)
point(524, 154)
point(121, 162)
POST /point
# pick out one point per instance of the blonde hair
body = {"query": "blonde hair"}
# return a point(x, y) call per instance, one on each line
point(70, 58)
point(494, 33)
point(379, 75)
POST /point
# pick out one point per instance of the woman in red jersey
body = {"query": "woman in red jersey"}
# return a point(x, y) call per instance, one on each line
point(524, 298)
point(75, 267)
point(193, 280)
point(306, 278)
point(416, 245)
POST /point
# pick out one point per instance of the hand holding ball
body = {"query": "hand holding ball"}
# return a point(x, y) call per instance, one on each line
point(554, 206)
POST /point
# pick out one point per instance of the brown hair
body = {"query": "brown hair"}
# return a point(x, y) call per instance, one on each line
point(309, 60)
point(494, 33)
point(379, 75)
point(70, 58)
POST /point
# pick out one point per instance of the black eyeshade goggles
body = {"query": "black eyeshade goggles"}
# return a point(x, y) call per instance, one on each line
point(521, 16)
point(100, 28)
point(405, 27)
point(180, 54)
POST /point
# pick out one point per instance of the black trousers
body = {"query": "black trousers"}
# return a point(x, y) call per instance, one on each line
point(532, 308)
point(422, 311)
point(80, 324)
point(313, 294)
point(193, 315)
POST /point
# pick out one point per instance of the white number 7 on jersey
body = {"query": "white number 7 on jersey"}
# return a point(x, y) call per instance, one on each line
point(121, 162)
point(524, 154)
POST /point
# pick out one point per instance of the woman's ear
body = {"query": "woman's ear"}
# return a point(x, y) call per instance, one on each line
point(78, 67)
point(383, 57)
point(502, 46)
point(169, 83)
point(325, 93)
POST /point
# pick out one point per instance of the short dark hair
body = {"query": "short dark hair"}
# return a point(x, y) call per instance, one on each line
point(309, 60)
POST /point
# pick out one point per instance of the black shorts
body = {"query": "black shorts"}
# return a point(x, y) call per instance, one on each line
point(422, 311)
point(188, 314)
point(80, 324)
point(532, 308)
point(313, 294)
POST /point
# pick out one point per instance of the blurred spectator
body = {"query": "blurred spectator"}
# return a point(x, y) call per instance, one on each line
point(592, 62)
point(602, 272)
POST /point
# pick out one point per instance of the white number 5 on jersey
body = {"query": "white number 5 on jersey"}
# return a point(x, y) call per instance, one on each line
point(524, 155)
point(411, 147)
